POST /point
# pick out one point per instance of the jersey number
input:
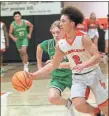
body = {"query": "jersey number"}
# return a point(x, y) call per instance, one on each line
point(76, 59)
point(21, 33)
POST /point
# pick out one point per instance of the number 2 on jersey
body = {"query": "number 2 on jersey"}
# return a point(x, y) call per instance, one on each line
point(76, 59)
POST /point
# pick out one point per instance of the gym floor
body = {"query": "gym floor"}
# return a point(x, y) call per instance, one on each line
point(33, 102)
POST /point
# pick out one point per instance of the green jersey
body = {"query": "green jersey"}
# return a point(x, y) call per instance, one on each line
point(20, 32)
point(48, 46)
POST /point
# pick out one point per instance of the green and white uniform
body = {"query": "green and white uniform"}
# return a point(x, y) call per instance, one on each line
point(61, 78)
point(20, 32)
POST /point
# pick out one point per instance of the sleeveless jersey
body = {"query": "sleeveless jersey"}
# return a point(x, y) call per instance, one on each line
point(75, 52)
point(48, 46)
point(2, 32)
point(20, 32)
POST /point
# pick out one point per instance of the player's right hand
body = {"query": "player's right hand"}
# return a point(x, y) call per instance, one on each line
point(31, 75)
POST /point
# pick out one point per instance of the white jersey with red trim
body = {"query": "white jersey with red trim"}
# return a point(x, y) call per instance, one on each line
point(75, 52)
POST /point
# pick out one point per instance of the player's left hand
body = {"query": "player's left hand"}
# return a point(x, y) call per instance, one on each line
point(79, 67)
point(29, 36)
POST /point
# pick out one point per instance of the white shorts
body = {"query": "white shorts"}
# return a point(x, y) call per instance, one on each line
point(93, 33)
point(2, 46)
point(95, 81)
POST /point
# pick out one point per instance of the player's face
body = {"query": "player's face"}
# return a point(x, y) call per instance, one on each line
point(17, 17)
point(65, 23)
point(93, 16)
point(57, 34)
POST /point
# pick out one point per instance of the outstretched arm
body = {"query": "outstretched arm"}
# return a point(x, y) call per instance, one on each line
point(58, 57)
point(65, 65)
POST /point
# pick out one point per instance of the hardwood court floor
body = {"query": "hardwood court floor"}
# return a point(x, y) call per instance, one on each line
point(35, 101)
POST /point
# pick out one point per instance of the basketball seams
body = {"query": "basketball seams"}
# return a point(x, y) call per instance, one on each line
point(19, 89)
point(17, 86)
point(25, 78)
point(21, 82)
point(28, 77)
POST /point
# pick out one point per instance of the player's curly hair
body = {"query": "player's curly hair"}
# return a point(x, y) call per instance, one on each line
point(73, 13)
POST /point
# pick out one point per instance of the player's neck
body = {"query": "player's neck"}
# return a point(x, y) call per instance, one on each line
point(71, 34)
point(19, 22)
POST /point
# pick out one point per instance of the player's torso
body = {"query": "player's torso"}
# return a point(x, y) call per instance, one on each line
point(92, 24)
point(20, 32)
point(51, 53)
point(75, 52)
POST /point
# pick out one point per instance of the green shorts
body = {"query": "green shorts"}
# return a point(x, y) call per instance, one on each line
point(21, 42)
point(61, 82)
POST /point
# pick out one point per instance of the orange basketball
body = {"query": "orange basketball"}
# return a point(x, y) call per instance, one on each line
point(21, 81)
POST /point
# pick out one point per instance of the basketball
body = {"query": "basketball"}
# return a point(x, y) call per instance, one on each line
point(21, 81)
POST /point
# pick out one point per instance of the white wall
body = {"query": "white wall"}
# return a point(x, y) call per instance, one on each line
point(100, 8)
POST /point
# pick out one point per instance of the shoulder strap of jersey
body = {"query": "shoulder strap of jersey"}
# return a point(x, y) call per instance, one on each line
point(50, 44)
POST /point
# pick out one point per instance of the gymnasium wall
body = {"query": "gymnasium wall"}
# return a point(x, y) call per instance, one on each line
point(41, 28)
point(100, 8)
point(41, 32)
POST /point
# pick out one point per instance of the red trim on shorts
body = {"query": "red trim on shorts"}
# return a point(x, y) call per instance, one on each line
point(87, 92)
point(104, 103)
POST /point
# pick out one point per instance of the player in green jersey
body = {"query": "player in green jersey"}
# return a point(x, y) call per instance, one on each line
point(61, 77)
point(18, 32)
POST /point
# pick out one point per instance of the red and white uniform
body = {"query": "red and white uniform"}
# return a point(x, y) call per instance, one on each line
point(76, 52)
point(90, 77)
point(92, 28)
point(2, 41)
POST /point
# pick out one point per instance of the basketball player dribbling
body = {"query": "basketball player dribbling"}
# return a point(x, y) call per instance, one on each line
point(84, 59)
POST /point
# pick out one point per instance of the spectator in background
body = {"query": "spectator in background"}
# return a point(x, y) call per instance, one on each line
point(92, 25)
point(4, 43)
point(21, 36)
